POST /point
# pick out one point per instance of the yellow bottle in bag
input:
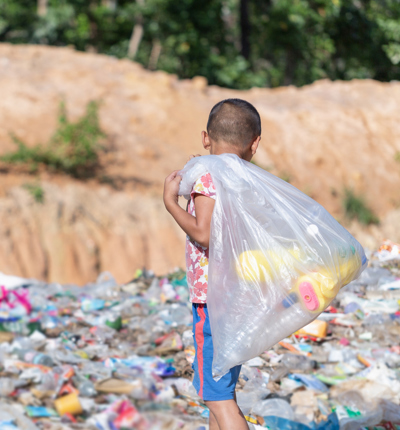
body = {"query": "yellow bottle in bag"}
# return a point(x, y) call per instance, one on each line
point(263, 266)
point(317, 289)
point(349, 268)
point(309, 290)
point(314, 290)
point(255, 265)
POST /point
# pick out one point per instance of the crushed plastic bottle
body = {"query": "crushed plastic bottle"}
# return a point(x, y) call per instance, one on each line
point(34, 357)
point(7, 386)
point(298, 362)
point(273, 407)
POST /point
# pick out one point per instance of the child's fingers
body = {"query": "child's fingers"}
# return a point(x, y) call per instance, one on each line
point(171, 176)
point(193, 156)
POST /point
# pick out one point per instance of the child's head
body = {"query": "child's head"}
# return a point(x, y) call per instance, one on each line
point(234, 126)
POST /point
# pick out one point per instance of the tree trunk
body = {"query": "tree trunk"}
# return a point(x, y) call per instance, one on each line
point(245, 28)
point(290, 67)
point(42, 7)
point(230, 23)
point(110, 4)
point(155, 55)
point(137, 34)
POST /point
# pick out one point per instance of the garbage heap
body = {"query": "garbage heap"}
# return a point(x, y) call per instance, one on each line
point(108, 356)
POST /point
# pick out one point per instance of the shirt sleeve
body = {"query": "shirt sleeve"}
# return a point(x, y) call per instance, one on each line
point(204, 186)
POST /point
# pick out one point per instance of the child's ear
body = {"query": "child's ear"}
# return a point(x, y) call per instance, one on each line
point(206, 140)
point(254, 145)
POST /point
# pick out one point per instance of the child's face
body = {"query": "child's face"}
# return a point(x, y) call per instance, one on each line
point(217, 148)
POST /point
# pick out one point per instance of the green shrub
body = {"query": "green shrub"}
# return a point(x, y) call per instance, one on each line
point(286, 176)
point(356, 208)
point(36, 191)
point(73, 148)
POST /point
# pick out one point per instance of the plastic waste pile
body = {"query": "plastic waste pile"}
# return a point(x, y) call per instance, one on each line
point(108, 356)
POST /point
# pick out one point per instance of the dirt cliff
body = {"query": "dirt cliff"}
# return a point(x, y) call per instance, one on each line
point(322, 137)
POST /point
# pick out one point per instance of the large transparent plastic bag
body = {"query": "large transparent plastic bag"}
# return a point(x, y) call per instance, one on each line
point(277, 258)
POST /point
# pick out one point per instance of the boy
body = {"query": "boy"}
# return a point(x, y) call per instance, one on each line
point(234, 127)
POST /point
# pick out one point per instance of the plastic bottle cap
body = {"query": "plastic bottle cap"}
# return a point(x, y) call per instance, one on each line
point(309, 296)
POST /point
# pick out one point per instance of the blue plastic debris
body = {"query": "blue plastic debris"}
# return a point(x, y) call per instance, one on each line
point(278, 423)
point(310, 381)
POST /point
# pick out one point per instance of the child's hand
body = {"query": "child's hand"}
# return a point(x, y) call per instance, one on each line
point(171, 188)
point(193, 156)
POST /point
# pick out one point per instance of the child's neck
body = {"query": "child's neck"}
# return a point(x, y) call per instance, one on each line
point(226, 148)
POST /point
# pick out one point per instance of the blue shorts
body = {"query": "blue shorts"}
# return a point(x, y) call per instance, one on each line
point(203, 381)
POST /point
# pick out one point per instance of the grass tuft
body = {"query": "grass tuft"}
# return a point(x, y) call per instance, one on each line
point(286, 176)
point(73, 148)
point(36, 191)
point(355, 207)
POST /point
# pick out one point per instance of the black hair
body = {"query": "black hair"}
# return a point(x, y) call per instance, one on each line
point(234, 121)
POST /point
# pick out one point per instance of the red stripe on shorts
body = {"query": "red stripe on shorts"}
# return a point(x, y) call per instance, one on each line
point(200, 343)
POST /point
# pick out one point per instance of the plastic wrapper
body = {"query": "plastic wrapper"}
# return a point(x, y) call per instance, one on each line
point(277, 258)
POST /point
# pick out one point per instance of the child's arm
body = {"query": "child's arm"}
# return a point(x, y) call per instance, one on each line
point(198, 227)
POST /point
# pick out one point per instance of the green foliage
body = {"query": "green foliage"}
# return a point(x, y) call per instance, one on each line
point(36, 191)
point(286, 176)
point(397, 156)
point(356, 208)
point(73, 148)
point(292, 42)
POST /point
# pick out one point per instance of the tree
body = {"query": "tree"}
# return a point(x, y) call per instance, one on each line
point(137, 34)
point(42, 7)
point(233, 43)
point(245, 28)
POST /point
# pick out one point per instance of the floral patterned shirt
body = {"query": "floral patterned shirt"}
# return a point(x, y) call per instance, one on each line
point(197, 255)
